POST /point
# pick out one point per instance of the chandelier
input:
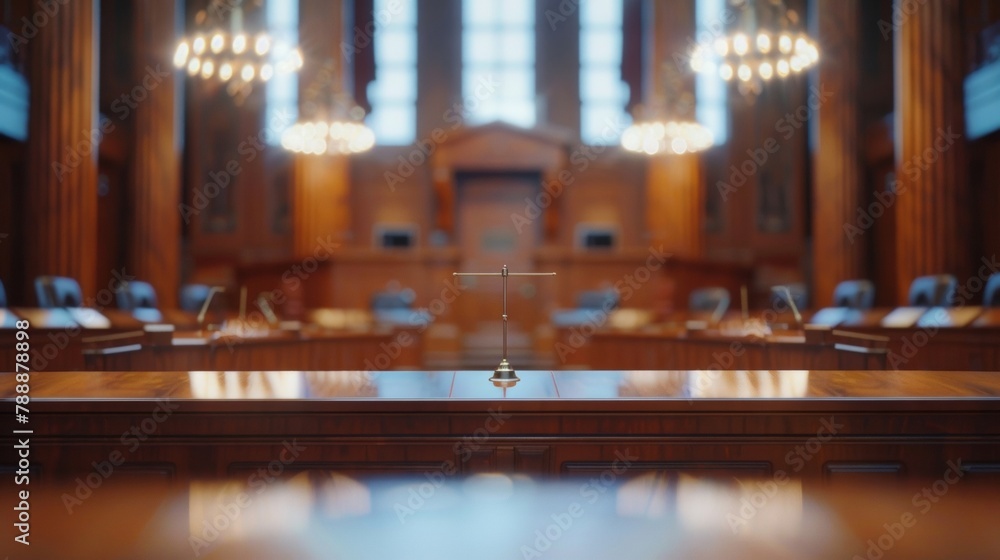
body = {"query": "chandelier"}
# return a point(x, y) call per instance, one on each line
point(233, 56)
point(336, 125)
point(336, 136)
point(764, 44)
point(662, 127)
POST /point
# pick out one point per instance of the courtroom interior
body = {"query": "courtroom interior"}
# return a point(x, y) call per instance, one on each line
point(683, 242)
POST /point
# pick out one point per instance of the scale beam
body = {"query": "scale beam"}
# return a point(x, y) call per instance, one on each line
point(504, 374)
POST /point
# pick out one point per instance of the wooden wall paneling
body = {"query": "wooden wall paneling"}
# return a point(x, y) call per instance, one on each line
point(675, 209)
point(837, 174)
point(153, 241)
point(62, 147)
point(931, 165)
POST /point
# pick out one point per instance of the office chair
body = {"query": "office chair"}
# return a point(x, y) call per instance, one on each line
point(597, 299)
point(137, 295)
point(854, 294)
point(58, 291)
point(991, 294)
point(709, 299)
point(933, 291)
point(193, 297)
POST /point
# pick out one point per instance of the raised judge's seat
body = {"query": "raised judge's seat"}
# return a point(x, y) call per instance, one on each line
point(58, 291)
point(933, 291)
point(854, 294)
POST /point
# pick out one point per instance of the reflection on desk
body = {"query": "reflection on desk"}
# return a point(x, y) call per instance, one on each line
point(615, 514)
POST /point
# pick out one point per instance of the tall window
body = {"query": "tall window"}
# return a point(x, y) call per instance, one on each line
point(603, 94)
point(498, 61)
point(393, 94)
point(282, 108)
point(710, 88)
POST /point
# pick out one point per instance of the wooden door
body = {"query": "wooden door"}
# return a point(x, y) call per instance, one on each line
point(488, 238)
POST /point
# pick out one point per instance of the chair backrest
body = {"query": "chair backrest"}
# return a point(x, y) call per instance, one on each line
point(855, 294)
point(193, 297)
point(3, 296)
point(137, 295)
point(991, 294)
point(58, 291)
point(933, 291)
point(597, 299)
point(397, 299)
point(799, 293)
point(709, 299)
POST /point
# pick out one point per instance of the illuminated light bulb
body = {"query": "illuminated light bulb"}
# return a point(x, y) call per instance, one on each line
point(193, 66)
point(266, 72)
point(239, 43)
point(744, 73)
point(765, 70)
point(782, 68)
point(207, 69)
point(198, 46)
point(721, 47)
point(785, 44)
point(796, 64)
point(726, 72)
point(801, 46)
point(650, 146)
point(217, 43)
point(226, 71)
point(262, 44)
point(247, 73)
point(297, 59)
point(181, 54)
point(763, 43)
point(631, 139)
point(740, 44)
point(678, 145)
point(813, 53)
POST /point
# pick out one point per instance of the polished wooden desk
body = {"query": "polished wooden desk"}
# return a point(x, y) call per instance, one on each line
point(113, 340)
point(939, 339)
point(619, 514)
point(186, 425)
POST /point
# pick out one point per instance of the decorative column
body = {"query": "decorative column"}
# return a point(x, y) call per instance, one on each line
point(933, 206)
point(838, 181)
point(675, 210)
point(63, 138)
point(155, 230)
point(321, 183)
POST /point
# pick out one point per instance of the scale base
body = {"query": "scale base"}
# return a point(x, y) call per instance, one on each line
point(504, 375)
